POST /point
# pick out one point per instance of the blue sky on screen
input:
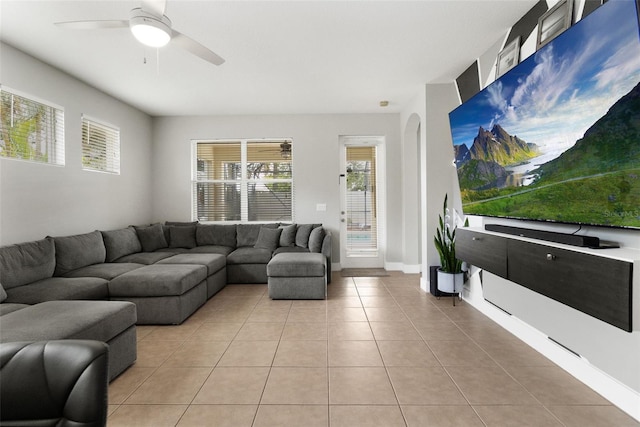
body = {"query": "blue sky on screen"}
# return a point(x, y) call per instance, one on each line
point(555, 95)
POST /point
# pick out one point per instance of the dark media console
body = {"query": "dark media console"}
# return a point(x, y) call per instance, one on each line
point(552, 236)
point(599, 286)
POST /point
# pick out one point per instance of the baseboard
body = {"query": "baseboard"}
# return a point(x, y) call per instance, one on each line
point(393, 266)
point(425, 284)
point(389, 266)
point(411, 268)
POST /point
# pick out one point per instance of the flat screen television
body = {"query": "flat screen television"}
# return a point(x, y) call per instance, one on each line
point(557, 138)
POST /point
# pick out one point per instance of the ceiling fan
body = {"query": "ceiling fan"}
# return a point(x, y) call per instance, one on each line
point(151, 27)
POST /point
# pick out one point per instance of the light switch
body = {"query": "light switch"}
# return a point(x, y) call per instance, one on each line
point(321, 207)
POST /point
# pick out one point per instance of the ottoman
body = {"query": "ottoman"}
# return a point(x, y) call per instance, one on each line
point(164, 294)
point(216, 268)
point(297, 275)
point(111, 322)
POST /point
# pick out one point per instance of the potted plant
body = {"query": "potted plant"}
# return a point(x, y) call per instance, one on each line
point(450, 274)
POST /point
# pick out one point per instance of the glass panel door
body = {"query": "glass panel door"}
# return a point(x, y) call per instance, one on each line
point(360, 214)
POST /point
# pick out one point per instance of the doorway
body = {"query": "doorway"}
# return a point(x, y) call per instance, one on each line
point(362, 240)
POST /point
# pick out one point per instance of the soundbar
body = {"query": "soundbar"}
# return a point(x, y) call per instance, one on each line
point(552, 236)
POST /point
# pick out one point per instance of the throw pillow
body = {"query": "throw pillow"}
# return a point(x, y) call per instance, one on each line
point(26, 263)
point(268, 238)
point(182, 237)
point(288, 236)
point(315, 239)
point(80, 250)
point(168, 224)
point(120, 243)
point(151, 237)
point(302, 235)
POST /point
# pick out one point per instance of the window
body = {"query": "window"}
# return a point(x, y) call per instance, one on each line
point(30, 130)
point(247, 181)
point(100, 147)
point(361, 203)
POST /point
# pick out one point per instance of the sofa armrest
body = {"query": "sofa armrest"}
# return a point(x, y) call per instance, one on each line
point(326, 251)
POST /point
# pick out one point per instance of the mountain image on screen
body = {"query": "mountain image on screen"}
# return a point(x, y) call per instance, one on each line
point(564, 138)
point(482, 166)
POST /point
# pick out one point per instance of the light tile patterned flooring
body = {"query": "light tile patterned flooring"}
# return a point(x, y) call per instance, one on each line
point(377, 352)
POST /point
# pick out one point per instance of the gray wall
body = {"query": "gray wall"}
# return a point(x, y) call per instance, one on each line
point(316, 163)
point(37, 200)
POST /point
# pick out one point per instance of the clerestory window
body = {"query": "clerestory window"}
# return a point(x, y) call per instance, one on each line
point(100, 146)
point(242, 181)
point(30, 129)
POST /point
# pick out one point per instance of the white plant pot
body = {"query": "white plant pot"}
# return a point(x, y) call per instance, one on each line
point(450, 282)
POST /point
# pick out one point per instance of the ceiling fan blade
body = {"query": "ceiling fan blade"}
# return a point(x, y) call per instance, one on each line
point(154, 7)
point(92, 25)
point(196, 48)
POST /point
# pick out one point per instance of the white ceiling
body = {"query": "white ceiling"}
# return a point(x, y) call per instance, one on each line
point(282, 57)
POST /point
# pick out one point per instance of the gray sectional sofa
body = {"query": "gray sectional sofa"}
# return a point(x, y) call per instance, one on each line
point(99, 285)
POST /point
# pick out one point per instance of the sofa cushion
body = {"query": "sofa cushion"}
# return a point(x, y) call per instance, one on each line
point(174, 250)
point(315, 239)
point(213, 262)
point(216, 235)
point(268, 238)
point(212, 249)
point(181, 223)
point(290, 249)
point(59, 288)
point(168, 224)
point(247, 234)
point(3, 293)
point(119, 243)
point(96, 320)
point(146, 258)
point(182, 236)
point(151, 237)
point(249, 256)
point(7, 308)
point(27, 262)
point(80, 250)
point(302, 235)
point(105, 270)
point(288, 236)
point(159, 280)
point(296, 265)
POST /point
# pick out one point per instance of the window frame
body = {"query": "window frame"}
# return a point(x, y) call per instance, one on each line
point(56, 138)
point(112, 152)
point(244, 181)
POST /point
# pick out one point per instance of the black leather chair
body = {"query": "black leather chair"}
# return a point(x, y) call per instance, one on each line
point(54, 383)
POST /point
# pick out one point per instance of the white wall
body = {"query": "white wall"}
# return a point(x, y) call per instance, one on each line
point(316, 165)
point(441, 173)
point(37, 200)
point(413, 159)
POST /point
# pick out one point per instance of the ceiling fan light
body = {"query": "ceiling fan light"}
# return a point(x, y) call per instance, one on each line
point(149, 30)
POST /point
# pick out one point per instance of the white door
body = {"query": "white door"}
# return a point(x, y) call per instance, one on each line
point(362, 202)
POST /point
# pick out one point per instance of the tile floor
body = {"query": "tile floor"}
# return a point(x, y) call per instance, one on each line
point(377, 352)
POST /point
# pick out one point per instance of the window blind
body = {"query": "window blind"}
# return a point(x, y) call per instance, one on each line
point(362, 221)
point(100, 146)
point(30, 129)
point(217, 183)
point(246, 181)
